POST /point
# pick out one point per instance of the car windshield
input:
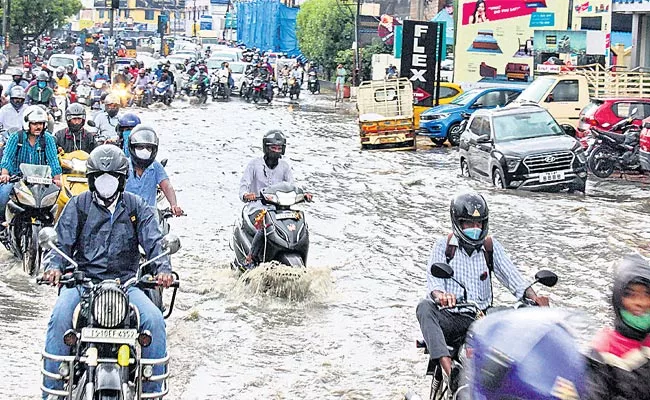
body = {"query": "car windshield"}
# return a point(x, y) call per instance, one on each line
point(224, 56)
point(537, 90)
point(525, 126)
point(237, 68)
point(60, 62)
point(214, 64)
point(465, 98)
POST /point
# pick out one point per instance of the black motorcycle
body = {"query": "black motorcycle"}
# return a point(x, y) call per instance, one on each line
point(455, 387)
point(32, 206)
point(609, 150)
point(286, 232)
point(294, 88)
point(312, 83)
point(105, 361)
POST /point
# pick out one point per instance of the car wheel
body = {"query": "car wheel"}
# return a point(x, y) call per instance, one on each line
point(497, 179)
point(438, 141)
point(453, 135)
point(464, 168)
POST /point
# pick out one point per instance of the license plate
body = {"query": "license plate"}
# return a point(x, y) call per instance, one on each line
point(109, 335)
point(551, 176)
point(77, 179)
point(39, 180)
point(387, 140)
point(285, 215)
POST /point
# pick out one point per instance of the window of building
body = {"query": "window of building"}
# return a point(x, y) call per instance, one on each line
point(148, 15)
point(101, 13)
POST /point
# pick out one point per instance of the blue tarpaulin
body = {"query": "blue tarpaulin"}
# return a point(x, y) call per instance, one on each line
point(267, 25)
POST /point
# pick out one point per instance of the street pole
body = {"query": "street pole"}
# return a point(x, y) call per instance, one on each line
point(111, 49)
point(194, 21)
point(5, 31)
point(356, 43)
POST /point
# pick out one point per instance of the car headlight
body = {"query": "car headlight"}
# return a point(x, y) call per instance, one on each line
point(442, 116)
point(512, 163)
point(50, 199)
point(580, 155)
point(426, 117)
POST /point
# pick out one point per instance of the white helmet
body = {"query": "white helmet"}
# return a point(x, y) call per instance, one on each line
point(111, 99)
point(17, 92)
point(34, 114)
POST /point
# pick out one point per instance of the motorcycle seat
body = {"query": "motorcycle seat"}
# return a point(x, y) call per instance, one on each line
point(617, 137)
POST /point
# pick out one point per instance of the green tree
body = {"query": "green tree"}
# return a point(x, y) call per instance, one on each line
point(346, 57)
point(325, 27)
point(31, 18)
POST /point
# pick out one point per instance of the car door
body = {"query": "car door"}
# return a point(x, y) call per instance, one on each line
point(564, 101)
point(484, 150)
point(487, 100)
point(473, 132)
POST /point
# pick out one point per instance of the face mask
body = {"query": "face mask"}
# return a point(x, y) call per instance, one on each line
point(143, 154)
point(640, 323)
point(112, 112)
point(42, 84)
point(106, 185)
point(473, 233)
point(18, 79)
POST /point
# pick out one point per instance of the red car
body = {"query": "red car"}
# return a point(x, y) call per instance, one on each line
point(603, 113)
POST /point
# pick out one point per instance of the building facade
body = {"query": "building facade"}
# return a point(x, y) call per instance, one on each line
point(640, 11)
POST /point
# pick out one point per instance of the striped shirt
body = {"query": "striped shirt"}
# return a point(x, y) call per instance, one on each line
point(29, 154)
point(470, 269)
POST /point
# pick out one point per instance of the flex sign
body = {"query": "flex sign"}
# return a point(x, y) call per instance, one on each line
point(420, 44)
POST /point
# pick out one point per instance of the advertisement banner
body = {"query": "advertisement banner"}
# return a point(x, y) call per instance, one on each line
point(421, 42)
point(561, 50)
point(107, 3)
point(494, 38)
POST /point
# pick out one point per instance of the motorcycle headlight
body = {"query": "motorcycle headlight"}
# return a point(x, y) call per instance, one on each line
point(512, 163)
point(110, 307)
point(24, 196)
point(50, 199)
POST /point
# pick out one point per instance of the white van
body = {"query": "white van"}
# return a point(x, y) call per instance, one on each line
point(64, 60)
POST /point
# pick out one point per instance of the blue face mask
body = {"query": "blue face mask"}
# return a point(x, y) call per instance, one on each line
point(42, 84)
point(473, 233)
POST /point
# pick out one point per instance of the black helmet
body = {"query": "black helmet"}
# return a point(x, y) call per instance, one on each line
point(110, 159)
point(42, 76)
point(469, 206)
point(633, 269)
point(143, 135)
point(75, 110)
point(274, 138)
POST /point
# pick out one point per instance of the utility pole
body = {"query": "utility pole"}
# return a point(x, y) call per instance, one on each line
point(111, 48)
point(5, 31)
point(357, 64)
point(194, 21)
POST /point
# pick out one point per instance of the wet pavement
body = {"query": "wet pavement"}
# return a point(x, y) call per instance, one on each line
point(375, 218)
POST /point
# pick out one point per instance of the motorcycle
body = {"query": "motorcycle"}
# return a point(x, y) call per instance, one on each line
point(455, 386)
point(73, 178)
point(219, 86)
point(105, 360)
point(608, 150)
point(61, 100)
point(161, 93)
point(294, 88)
point(83, 94)
point(32, 206)
point(287, 235)
point(283, 86)
point(141, 96)
point(99, 88)
point(123, 93)
point(258, 90)
point(199, 91)
point(312, 83)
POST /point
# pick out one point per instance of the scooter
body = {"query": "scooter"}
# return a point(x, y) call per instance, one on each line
point(73, 178)
point(141, 96)
point(455, 386)
point(286, 232)
point(83, 94)
point(161, 93)
point(61, 100)
point(99, 88)
point(283, 86)
point(312, 83)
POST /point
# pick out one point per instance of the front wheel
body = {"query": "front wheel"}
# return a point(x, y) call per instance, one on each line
point(497, 179)
point(601, 162)
point(464, 168)
point(454, 134)
point(31, 250)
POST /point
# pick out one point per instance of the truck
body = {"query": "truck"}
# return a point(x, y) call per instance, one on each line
point(565, 93)
point(386, 114)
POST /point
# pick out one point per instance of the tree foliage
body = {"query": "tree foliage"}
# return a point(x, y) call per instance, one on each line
point(346, 57)
point(35, 17)
point(325, 27)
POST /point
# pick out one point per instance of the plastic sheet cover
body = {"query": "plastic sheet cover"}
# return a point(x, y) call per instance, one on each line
point(267, 25)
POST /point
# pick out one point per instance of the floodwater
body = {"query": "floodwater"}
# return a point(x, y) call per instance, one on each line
point(348, 330)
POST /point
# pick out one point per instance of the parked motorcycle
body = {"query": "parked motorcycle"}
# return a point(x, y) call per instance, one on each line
point(608, 150)
point(73, 178)
point(32, 206)
point(61, 100)
point(294, 88)
point(455, 387)
point(287, 235)
point(84, 94)
point(161, 93)
point(105, 360)
point(312, 83)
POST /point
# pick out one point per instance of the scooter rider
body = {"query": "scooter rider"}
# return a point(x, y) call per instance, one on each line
point(106, 121)
point(101, 230)
point(11, 115)
point(62, 80)
point(101, 74)
point(142, 82)
point(145, 173)
point(41, 93)
point(75, 137)
point(474, 256)
point(17, 80)
point(260, 173)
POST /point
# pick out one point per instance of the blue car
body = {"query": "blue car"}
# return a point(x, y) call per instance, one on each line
point(443, 122)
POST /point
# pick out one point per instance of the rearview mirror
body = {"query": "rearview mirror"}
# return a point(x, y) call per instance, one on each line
point(91, 123)
point(171, 242)
point(46, 237)
point(546, 278)
point(633, 112)
point(442, 271)
point(569, 130)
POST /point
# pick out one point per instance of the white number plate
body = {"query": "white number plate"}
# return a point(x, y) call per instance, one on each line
point(285, 215)
point(109, 335)
point(551, 176)
point(39, 180)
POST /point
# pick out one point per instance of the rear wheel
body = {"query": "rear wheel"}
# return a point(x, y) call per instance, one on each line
point(464, 168)
point(453, 135)
point(498, 180)
point(601, 162)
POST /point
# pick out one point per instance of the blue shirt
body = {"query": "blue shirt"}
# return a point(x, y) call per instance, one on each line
point(146, 185)
point(29, 154)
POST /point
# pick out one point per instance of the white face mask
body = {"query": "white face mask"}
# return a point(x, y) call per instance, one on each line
point(106, 185)
point(143, 154)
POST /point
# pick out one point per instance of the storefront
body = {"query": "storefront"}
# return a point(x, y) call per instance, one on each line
point(640, 11)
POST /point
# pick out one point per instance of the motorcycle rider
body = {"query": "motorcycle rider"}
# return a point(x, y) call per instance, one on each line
point(202, 79)
point(41, 93)
point(101, 74)
point(474, 257)
point(133, 70)
point(125, 126)
point(75, 136)
point(298, 73)
point(142, 81)
point(62, 80)
point(32, 145)
point(122, 77)
point(28, 74)
point(619, 362)
point(262, 172)
point(11, 115)
point(101, 230)
point(263, 73)
point(145, 173)
point(107, 120)
point(86, 75)
point(17, 80)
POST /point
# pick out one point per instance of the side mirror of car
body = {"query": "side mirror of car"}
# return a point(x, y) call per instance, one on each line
point(546, 278)
point(465, 115)
point(549, 98)
point(646, 125)
point(442, 271)
point(569, 130)
point(483, 139)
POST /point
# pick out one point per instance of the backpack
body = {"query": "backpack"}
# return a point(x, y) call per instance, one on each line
point(488, 246)
point(42, 154)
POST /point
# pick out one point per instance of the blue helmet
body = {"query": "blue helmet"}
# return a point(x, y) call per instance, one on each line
point(128, 122)
point(525, 354)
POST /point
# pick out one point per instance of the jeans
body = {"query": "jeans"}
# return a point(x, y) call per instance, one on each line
point(5, 191)
point(441, 328)
point(61, 320)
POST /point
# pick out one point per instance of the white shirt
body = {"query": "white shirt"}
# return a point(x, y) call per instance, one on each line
point(105, 126)
point(10, 118)
point(258, 175)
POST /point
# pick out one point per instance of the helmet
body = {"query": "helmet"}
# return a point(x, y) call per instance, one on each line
point(69, 69)
point(121, 69)
point(17, 92)
point(134, 64)
point(42, 76)
point(142, 71)
point(33, 114)
point(527, 353)
point(203, 68)
point(107, 159)
point(17, 72)
point(143, 136)
point(60, 71)
point(127, 121)
point(469, 206)
point(75, 110)
point(100, 68)
point(273, 138)
point(632, 269)
point(111, 99)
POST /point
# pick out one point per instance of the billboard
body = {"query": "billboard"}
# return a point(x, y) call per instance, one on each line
point(159, 4)
point(557, 51)
point(107, 4)
point(421, 43)
point(494, 38)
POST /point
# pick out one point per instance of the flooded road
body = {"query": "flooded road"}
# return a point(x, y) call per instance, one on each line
point(375, 218)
